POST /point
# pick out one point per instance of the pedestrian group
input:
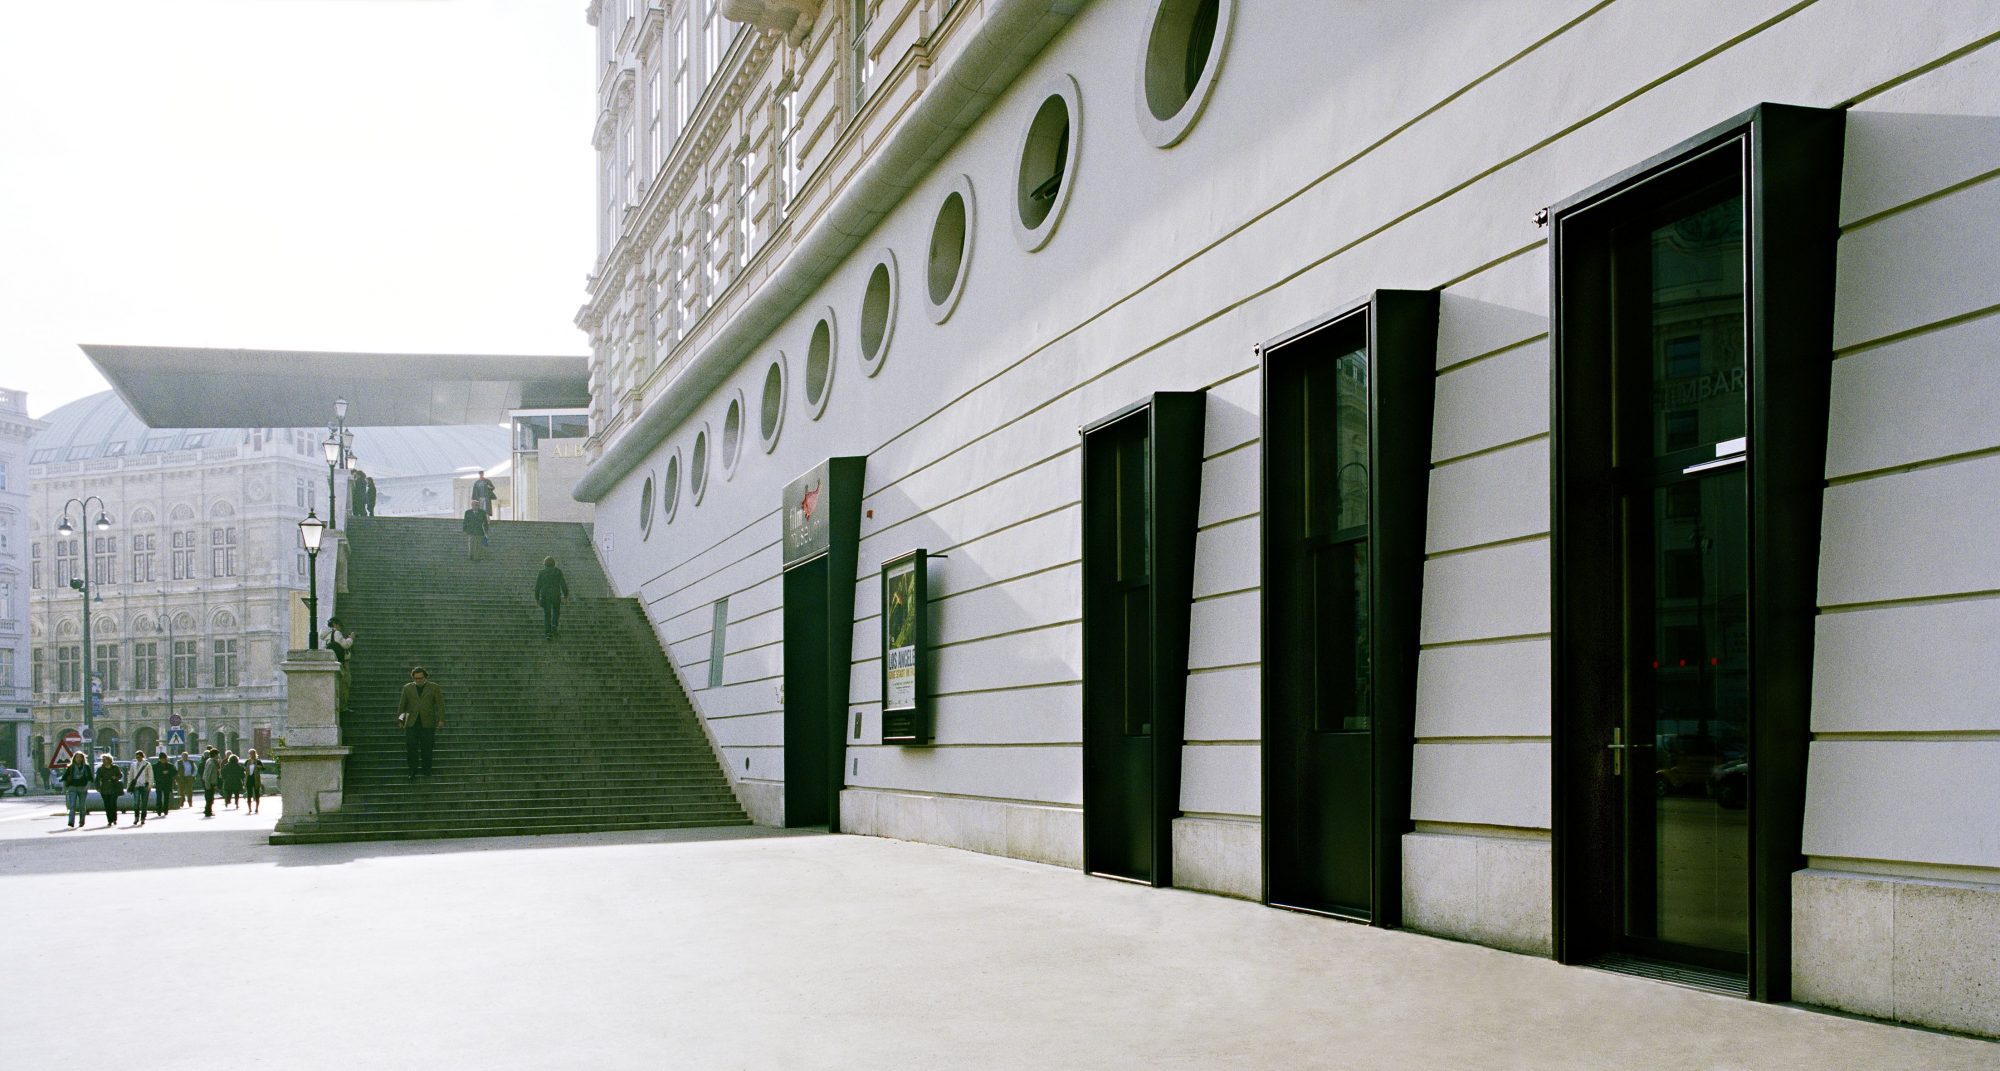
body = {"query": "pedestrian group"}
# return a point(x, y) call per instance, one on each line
point(158, 784)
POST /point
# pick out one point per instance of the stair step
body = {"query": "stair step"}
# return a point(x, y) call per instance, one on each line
point(590, 731)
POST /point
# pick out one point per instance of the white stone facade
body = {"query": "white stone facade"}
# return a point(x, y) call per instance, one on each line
point(1335, 149)
point(15, 713)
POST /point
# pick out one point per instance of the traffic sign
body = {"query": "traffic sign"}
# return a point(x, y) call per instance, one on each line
point(174, 720)
point(70, 744)
point(82, 735)
point(177, 736)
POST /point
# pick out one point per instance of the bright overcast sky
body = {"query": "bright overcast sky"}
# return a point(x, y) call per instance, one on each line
point(410, 175)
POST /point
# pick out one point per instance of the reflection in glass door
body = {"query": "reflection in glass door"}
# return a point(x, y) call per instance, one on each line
point(1681, 751)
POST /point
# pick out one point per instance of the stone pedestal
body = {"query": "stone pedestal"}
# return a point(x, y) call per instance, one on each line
point(310, 756)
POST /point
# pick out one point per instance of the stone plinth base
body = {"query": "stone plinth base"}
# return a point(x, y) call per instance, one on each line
point(1224, 856)
point(1493, 890)
point(1910, 949)
point(309, 779)
point(1044, 833)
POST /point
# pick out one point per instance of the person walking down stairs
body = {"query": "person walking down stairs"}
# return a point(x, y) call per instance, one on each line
point(551, 590)
point(483, 494)
point(421, 714)
point(474, 526)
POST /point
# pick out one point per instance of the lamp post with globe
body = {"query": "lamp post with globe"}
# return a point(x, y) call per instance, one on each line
point(82, 584)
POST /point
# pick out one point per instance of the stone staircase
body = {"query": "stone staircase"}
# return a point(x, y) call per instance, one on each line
point(590, 731)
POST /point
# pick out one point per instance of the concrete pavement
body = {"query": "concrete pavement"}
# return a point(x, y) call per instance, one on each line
point(753, 948)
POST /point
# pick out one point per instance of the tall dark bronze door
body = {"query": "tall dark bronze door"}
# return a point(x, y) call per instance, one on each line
point(1693, 321)
point(811, 718)
point(1141, 487)
point(821, 516)
point(1346, 421)
point(1118, 710)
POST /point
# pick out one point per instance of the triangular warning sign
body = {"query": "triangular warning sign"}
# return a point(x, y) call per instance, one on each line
point(61, 757)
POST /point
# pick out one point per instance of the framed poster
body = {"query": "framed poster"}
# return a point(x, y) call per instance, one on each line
point(906, 664)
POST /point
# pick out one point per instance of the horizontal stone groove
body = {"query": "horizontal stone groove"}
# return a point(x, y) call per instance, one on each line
point(1918, 202)
point(1912, 332)
point(1913, 600)
point(1510, 541)
point(1483, 641)
point(1484, 451)
point(1498, 351)
point(1941, 461)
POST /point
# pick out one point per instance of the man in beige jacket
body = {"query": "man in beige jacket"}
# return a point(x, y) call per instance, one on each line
point(421, 714)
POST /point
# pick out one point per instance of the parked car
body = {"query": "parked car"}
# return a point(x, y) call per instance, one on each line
point(16, 785)
point(1731, 783)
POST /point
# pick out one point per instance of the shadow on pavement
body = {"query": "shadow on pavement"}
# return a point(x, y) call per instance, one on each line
point(97, 849)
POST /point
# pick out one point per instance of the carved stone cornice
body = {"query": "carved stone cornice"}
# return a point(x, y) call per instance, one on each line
point(792, 18)
point(685, 164)
point(622, 89)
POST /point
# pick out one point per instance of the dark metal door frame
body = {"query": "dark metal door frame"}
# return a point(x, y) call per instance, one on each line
point(1175, 422)
point(1791, 171)
point(1399, 332)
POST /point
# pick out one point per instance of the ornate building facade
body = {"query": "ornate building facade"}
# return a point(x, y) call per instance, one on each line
point(1501, 470)
point(16, 725)
point(193, 581)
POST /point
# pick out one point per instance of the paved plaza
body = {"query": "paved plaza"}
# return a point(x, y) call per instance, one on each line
point(757, 948)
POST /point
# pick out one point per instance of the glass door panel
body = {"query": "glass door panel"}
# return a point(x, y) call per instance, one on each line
point(1682, 748)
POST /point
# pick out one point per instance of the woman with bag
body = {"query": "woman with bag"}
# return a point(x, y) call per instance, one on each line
point(141, 786)
point(253, 782)
point(110, 786)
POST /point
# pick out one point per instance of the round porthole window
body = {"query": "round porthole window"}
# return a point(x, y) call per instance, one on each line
point(732, 434)
point(646, 508)
point(1047, 172)
point(950, 256)
point(819, 364)
point(1177, 67)
point(698, 465)
point(670, 486)
point(878, 313)
point(771, 407)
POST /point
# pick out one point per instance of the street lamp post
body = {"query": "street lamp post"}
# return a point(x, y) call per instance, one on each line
point(310, 531)
point(103, 523)
point(335, 449)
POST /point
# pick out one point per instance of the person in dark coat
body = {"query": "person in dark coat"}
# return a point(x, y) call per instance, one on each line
point(474, 526)
point(110, 785)
point(76, 779)
point(483, 494)
point(232, 779)
point(420, 712)
point(164, 776)
point(211, 780)
point(368, 494)
point(551, 590)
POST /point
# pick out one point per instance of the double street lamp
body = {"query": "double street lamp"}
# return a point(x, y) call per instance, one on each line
point(335, 449)
point(102, 523)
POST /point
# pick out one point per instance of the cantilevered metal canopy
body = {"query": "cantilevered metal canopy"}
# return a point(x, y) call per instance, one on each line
point(182, 387)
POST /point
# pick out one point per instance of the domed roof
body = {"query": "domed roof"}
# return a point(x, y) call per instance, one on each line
point(101, 425)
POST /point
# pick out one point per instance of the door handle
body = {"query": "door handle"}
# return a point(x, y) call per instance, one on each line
point(1618, 747)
